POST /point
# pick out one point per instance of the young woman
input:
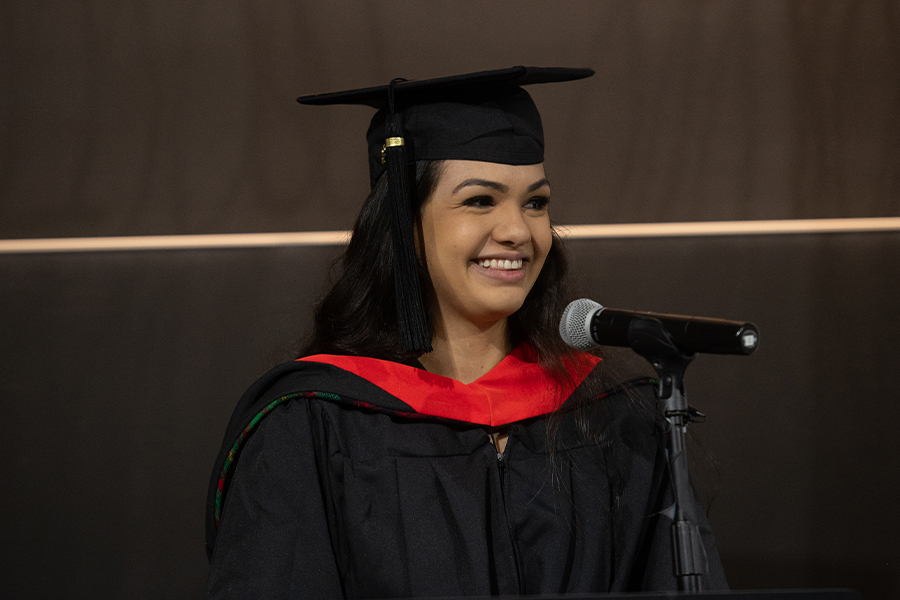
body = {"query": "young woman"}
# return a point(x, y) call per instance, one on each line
point(438, 438)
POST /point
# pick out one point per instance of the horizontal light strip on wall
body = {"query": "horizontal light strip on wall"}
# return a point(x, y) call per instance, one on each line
point(707, 228)
point(334, 238)
point(176, 242)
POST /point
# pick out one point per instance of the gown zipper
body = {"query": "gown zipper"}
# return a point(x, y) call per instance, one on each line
point(501, 468)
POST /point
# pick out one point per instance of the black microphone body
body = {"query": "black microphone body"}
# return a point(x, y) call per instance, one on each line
point(587, 324)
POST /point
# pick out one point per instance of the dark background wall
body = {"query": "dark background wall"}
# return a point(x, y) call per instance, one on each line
point(118, 370)
point(178, 117)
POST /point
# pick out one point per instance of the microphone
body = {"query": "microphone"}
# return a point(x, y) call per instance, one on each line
point(586, 324)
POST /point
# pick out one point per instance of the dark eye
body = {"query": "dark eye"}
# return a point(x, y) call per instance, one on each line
point(538, 202)
point(479, 201)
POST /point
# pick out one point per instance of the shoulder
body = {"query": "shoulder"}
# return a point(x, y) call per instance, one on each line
point(620, 420)
point(274, 411)
point(308, 379)
point(624, 404)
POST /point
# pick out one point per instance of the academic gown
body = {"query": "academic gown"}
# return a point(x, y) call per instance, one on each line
point(349, 477)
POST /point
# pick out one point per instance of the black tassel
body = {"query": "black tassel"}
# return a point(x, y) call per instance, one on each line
point(410, 305)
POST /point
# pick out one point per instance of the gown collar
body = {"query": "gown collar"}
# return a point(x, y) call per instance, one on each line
point(517, 388)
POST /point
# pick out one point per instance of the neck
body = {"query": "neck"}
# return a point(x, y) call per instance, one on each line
point(466, 351)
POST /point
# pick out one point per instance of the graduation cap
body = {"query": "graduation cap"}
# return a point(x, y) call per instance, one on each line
point(484, 116)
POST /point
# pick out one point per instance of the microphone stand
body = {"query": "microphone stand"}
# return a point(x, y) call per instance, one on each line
point(648, 338)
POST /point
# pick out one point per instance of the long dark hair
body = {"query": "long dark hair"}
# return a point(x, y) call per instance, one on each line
point(358, 316)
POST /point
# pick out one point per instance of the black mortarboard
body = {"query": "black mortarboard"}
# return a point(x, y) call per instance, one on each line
point(484, 116)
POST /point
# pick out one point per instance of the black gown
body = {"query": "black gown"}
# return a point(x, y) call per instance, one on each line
point(344, 490)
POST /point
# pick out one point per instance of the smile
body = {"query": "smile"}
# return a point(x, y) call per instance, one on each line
point(506, 265)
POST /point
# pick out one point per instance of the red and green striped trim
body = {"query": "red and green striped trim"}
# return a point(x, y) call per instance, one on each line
point(235, 448)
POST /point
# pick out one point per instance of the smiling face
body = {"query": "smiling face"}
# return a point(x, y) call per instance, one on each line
point(485, 233)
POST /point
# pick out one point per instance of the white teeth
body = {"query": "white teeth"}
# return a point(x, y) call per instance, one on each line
point(506, 265)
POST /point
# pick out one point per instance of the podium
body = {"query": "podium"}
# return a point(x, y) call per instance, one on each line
point(797, 594)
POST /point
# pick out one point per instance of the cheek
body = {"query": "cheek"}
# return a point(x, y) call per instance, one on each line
point(455, 242)
point(542, 239)
point(445, 255)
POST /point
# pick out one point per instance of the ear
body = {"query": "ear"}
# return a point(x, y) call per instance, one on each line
point(419, 240)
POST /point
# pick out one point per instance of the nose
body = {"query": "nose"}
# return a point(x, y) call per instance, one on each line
point(511, 229)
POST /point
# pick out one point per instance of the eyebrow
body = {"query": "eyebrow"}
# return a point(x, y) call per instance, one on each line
point(495, 185)
point(538, 185)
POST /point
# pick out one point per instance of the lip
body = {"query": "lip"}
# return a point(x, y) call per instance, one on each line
point(503, 256)
point(505, 275)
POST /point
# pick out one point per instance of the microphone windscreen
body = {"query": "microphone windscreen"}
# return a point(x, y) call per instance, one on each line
point(574, 327)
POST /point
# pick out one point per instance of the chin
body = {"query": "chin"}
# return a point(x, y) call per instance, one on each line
point(496, 310)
